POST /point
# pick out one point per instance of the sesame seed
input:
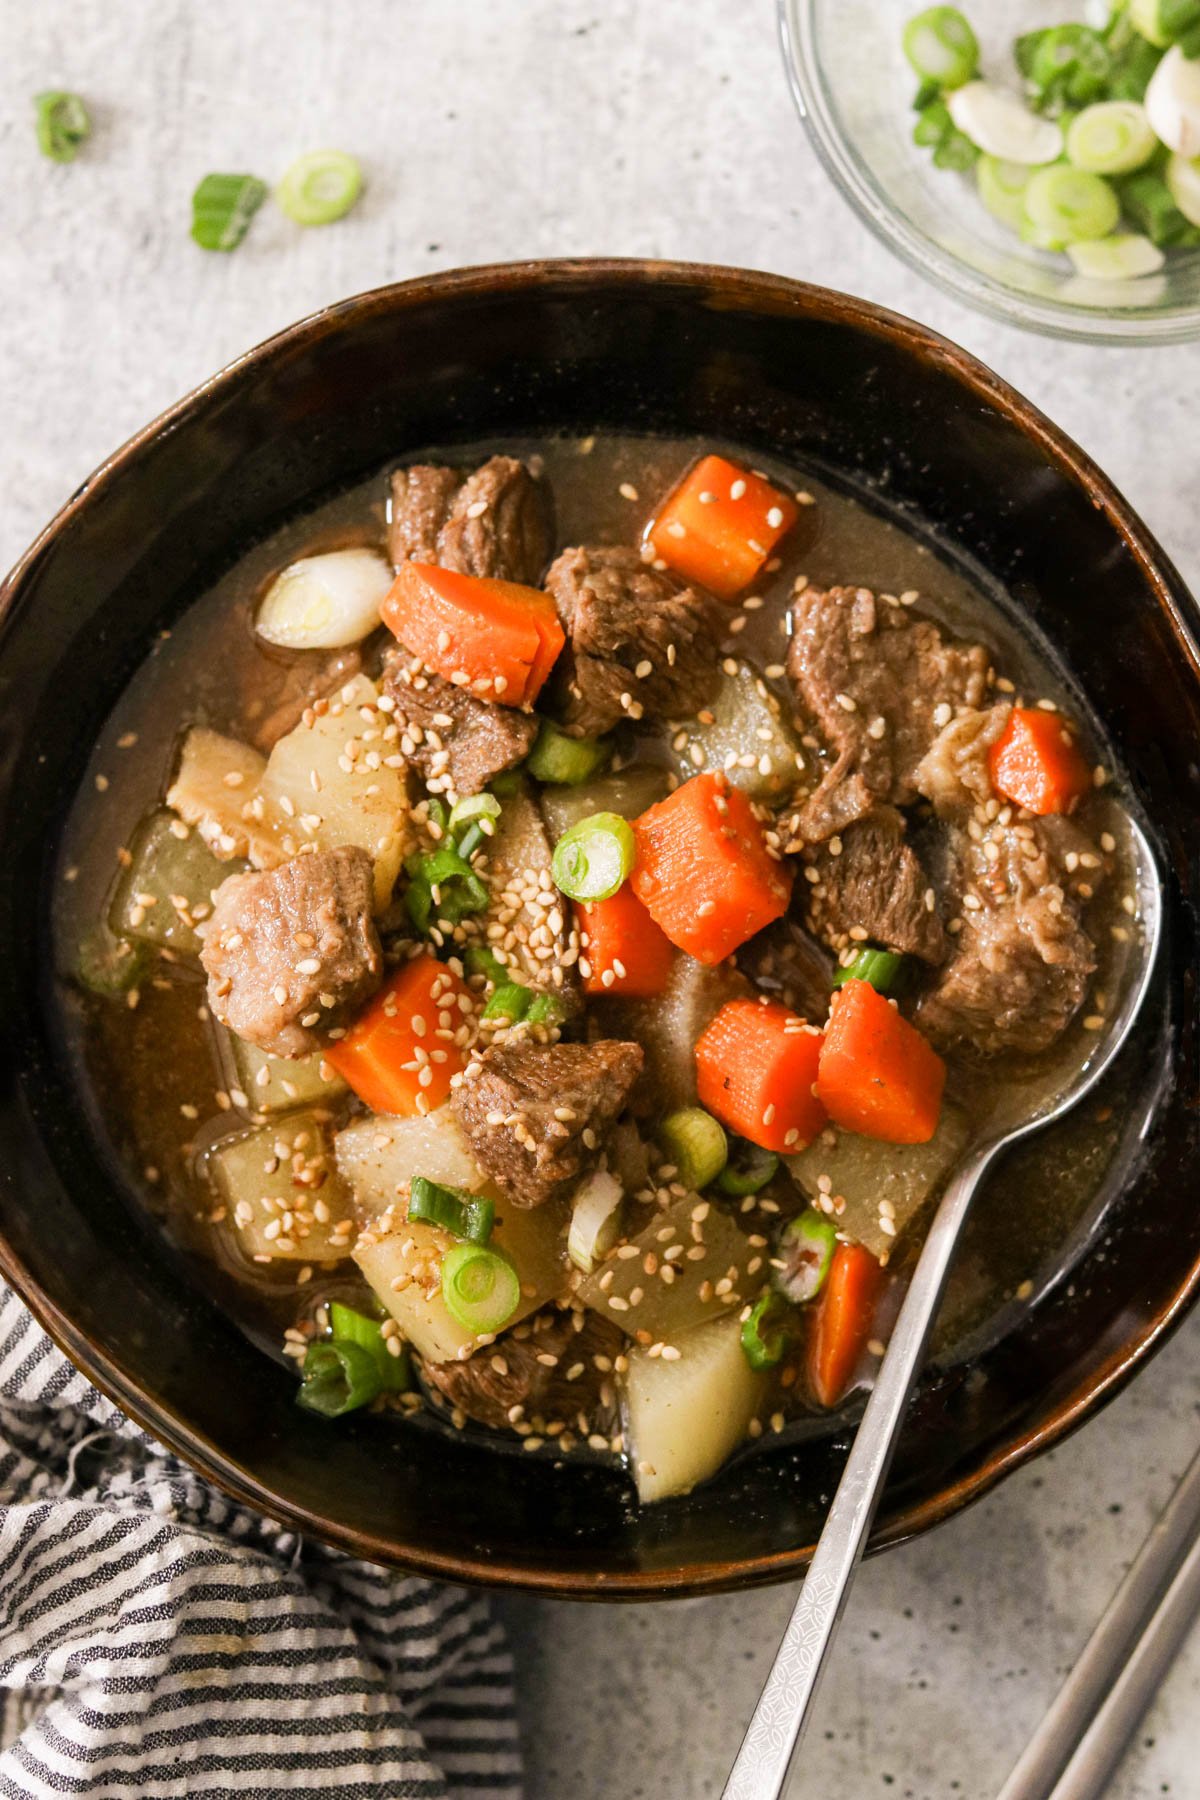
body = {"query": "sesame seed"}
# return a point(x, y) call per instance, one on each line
point(737, 489)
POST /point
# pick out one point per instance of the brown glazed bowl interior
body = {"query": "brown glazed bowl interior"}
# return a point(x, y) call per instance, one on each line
point(815, 378)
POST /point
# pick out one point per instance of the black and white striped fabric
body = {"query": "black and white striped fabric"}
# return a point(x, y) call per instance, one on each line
point(157, 1640)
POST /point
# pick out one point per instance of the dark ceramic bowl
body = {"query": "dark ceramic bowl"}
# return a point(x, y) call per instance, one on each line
point(807, 374)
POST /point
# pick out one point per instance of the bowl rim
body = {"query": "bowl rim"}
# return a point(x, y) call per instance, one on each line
point(754, 290)
point(1049, 318)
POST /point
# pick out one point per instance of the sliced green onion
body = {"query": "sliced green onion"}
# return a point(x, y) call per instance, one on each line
point(1064, 65)
point(1069, 205)
point(339, 1376)
point(750, 1173)
point(566, 761)
point(592, 859)
point(462, 1215)
point(1165, 22)
point(460, 891)
point(222, 208)
point(349, 1327)
point(480, 960)
point(1122, 257)
point(1111, 138)
point(595, 1219)
point(881, 968)
point(936, 130)
point(767, 1330)
point(941, 46)
point(510, 1001)
point(1002, 189)
point(480, 1287)
point(1151, 206)
point(999, 123)
point(546, 1009)
point(63, 123)
point(806, 1248)
point(319, 187)
point(696, 1144)
point(1183, 183)
point(475, 813)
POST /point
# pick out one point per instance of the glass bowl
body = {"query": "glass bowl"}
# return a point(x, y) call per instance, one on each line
point(853, 88)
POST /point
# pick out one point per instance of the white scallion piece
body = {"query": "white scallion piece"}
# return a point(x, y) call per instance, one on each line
point(1173, 102)
point(1122, 257)
point(1111, 138)
point(1000, 124)
point(595, 1220)
point(1183, 179)
point(325, 602)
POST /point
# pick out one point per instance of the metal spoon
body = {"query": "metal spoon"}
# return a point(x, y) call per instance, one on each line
point(773, 1736)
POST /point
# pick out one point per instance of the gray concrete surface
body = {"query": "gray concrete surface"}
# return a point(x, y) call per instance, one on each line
point(545, 127)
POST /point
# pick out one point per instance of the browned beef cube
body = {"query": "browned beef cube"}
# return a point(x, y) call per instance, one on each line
point(638, 639)
point(881, 684)
point(292, 952)
point(536, 1114)
point(306, 677)
point(493, 523)
point(870, 886)
point(953, 774)
point(458, 741)
point(1022, 960)
point(540, 1373)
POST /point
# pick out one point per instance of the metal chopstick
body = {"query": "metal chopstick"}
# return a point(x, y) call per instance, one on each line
point(1081, 1738)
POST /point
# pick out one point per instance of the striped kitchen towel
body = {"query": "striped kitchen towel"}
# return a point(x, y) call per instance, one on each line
point(156, 1640)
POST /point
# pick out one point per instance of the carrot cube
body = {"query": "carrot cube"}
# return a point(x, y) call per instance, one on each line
point(878, 1075)
point(625, 951)
point(756, 1069)
point(497, 638)
point(719, 526)
point(1037, 763)
point(399, 1054)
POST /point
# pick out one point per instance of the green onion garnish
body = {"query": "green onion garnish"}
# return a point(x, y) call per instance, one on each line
point(566, 761)
point(936, 130)
point(477, 814)
point(510, 1001)
point(462, 1215)
point(459, 889)
point(1151, 205)
point(1111, 138)
point(1069, 206)
point(766, 1331)
point(592, 859)
point(546, 1009)
point(941, 46)
point(806, 1248)
point(696, 1144)
point(479, 959)
point(480, 1287)
point(63, 123)
point(349, 1327)
point(1064, 66)
point(751, 1173)
point(319, 187)
point(222, 208)
point(881, 968)
point(339, 1376)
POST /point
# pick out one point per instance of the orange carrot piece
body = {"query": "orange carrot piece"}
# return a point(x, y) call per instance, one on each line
point(503, 637)
point(1037, 763)
point(719, 526)
point(414, 1011)
point(841, 1322)
point(625, 951)
point(878, 1075)
point(703, 869)
point(756, 1066)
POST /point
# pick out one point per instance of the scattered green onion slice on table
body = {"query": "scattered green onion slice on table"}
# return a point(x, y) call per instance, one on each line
point(1070, 205)
point(339, 1377)
point(63, 123)
point(566, 761)
point(593, 858)
point(346, 1326)
point(766, 1330)
point(941, 46)
point(806, 1247)
point(319, 187)
point(465, 1216)
point(222, 208)
point(480, 1287)
point(749, 1172)
point(881, 968)
point(696, 1144)
point(1111, 138)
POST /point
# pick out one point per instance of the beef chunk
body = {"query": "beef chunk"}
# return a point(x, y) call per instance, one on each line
point(309, 676)
point(493, 523)
point(880, 684)
point(458, 741)
point(620, 616)
point(1022, 961)
point(293, 951)
point(535, 1114)
point(511, 1373)
point(870, 886)
point(784, 962)
point(953, 774)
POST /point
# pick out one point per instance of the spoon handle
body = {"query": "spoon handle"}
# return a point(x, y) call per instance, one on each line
point(773, 1735)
